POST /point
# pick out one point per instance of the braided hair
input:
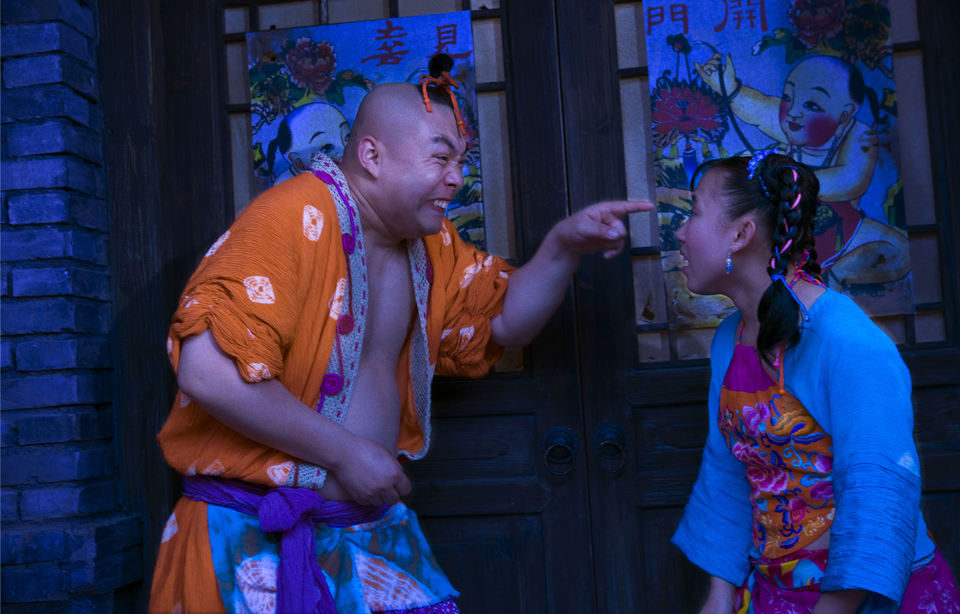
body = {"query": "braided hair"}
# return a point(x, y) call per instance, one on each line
point(784, 194)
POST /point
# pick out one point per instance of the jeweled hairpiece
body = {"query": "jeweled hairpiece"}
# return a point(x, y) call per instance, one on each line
point(755, 161)
point(439, 67)
point(752, 166)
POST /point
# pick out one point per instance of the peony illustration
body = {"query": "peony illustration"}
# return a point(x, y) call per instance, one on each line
point(817, 21)
point(680, 108)
point(311, 64)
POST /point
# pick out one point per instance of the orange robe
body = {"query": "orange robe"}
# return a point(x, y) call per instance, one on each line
point(271, 291)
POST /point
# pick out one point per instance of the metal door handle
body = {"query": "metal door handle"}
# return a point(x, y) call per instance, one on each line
point(559, 450)
point(610, 443)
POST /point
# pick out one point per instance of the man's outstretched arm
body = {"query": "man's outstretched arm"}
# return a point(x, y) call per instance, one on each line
point(536, 289)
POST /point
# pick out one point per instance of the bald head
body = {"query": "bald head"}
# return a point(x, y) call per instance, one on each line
point(391, 111)
point(402, 162)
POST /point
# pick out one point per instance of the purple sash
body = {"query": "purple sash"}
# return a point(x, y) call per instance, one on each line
point(293, 512)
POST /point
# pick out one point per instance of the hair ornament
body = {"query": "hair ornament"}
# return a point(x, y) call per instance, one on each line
point(754, 164)
point(439, 67)
point(755, 161)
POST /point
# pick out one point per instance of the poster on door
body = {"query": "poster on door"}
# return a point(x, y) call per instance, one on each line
point(307, 83)
point(812, 79)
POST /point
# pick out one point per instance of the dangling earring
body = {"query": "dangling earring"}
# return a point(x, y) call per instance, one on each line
point(729, 262)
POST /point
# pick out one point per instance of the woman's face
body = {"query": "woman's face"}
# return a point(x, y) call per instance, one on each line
point(816, 103)
point(705, 236)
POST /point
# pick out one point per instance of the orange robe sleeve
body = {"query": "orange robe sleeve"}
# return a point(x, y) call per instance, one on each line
point(264, 290)
point(469, 288)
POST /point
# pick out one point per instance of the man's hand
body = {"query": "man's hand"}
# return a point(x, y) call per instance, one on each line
point(598, 227)
point(370, 474)
point(536, 288)
point(709, 71)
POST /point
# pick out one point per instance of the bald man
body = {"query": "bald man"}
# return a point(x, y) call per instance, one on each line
point(305, 345)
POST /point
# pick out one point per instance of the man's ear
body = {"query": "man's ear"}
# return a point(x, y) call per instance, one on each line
point(747, 229)
point(369, 155)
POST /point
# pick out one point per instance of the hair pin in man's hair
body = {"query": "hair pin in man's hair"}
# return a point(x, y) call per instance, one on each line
point(439, 67)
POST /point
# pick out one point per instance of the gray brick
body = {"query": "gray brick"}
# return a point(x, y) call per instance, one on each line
point(21, 546)
point(26, 583)
point(108, 572)
point(34, 243)
point(59, 280)
point(44, 426)
point(120, 534)
point(50, 69)
point(5, 279)
point(58, 207)
point(44, 37)
point(94, 425)
point(52, 464)
point(52, 173)
point(9, 505)
point(53, 315)
point(54, 137)
point(24, 104)
point(61, 502)
point(47, 354)
point(6, 355)
point(50, 390)
point(68, 11)
point(8, 432)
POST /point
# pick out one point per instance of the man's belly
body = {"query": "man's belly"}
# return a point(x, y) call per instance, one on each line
point(374, 414)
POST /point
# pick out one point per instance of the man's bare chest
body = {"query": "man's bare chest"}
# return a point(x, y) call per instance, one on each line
point(390, 306)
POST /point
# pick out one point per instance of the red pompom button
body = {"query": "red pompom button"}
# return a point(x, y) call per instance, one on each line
point(345, 324)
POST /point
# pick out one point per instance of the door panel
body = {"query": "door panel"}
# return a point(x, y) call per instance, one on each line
point(496, 562)
point(490, 505)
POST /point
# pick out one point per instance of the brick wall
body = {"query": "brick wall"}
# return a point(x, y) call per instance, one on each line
point(67, 544)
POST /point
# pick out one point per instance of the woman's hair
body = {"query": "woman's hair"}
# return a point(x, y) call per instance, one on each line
point(784, 195)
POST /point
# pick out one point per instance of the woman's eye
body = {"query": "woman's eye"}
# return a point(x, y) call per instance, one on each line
point(812, 106)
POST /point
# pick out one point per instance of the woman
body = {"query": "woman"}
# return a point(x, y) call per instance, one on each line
point(809, 490)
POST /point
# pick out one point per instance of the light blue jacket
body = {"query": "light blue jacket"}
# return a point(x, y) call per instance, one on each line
point(851, 378)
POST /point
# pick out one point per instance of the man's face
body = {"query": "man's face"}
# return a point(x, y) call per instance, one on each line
point(816, 103)
point(422, 171)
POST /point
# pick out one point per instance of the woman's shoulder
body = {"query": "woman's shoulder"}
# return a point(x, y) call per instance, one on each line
point(837, 320)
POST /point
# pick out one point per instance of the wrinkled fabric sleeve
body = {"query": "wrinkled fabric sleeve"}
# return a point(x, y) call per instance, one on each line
point(715, 529)
point(475, 291)
point(876, 471)
point(247, 289)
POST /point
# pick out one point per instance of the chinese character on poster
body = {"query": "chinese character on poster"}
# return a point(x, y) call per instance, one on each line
point(307, 83)
point(812, 79)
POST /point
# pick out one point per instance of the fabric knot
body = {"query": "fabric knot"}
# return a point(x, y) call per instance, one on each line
point(290, 511)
